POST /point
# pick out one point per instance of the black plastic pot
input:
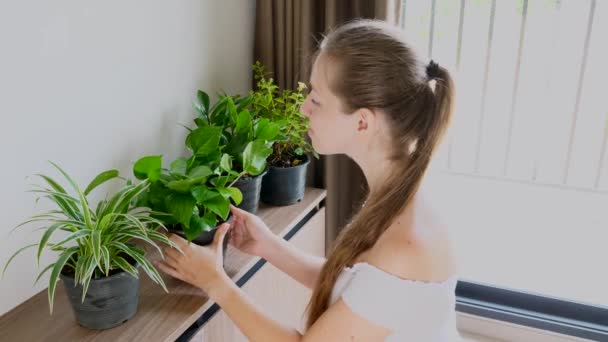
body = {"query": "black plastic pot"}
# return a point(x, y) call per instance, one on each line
point(250, 187)
point(206, 237)
point(109, 302)
point(284, 185)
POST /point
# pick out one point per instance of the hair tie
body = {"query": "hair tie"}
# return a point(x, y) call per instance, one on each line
point(432, 70)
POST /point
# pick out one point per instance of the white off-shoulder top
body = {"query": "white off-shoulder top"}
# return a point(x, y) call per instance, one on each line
point(413, 310)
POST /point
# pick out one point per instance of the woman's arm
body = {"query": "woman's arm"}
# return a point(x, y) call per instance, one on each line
point(303, 267)
point(203, 267)
point(252, 322)
point(338, 323)
point(251, 235)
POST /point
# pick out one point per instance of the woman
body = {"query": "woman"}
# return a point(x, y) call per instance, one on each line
point(391, 273)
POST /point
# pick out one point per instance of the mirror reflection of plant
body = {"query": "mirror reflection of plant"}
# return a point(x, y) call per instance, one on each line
point(98, 241)
point(283, 109)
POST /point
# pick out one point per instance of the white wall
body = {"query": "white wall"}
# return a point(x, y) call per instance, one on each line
point(94, 85)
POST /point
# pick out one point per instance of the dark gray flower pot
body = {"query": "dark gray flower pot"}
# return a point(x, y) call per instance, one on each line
point(250, 187)
point(284, 185)
point(109, 301)
point(206, 238)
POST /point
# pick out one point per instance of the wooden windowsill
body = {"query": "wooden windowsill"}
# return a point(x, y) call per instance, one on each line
point(161, 316)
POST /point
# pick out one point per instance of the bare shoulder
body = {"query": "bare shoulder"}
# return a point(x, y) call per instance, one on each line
point(417, 245)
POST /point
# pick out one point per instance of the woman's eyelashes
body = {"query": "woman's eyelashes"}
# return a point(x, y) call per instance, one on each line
point(315, 102)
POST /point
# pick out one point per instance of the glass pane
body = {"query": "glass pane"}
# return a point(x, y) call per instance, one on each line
point(522, 179)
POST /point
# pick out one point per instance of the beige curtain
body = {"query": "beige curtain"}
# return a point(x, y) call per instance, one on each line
point(287, 33)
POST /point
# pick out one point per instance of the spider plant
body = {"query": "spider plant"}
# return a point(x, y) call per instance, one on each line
point(97, 242)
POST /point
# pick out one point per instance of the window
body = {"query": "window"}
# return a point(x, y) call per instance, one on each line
point(523, 172)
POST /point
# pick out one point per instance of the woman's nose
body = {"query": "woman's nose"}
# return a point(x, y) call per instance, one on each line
point(305, 107)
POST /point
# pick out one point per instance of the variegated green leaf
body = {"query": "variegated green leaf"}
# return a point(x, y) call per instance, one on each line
point(100, 179)
point(14, 255)
point(125, 266)
point(43, 272)
point(45, 238)
point(61, 261)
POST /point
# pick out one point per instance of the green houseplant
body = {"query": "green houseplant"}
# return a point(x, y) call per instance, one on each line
point(286, 179)
point(247, 140)
point(97, 259)
point(193, 195)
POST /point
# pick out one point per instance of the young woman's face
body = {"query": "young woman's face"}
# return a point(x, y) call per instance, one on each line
point(331, 130)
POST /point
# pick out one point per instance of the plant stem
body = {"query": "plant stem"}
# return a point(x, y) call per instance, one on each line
point(237, 178)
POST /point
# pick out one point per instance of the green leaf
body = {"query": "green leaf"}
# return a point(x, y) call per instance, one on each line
point(219, 205)
point(196, 227)
point(226, 162)
point(45, 238)
point(299, 151)
point(204, 140)
point(14, 255)
point(179, 167)
point(200, 122)
point(243, 123)
point(200, 172)
point(76, 235)
point(281, 138)
point(105, 256)
point(212, 158)
point(148, 167)
point(201, 193)
point(43, 272)
point(235, 194)
point(210, 219)
point(59, 264)
point(181, 206)
point(254, 157)
point(138, 255)
point(85, 279)
point(203, 98)
point(162, 238)
point(120, 202)
point(105, 221)
point(231, 111)
point(100, 179)
point(220, 182)
point(135, 234)
point(266, 130)
point(96, 242)
point(85, 210)
point(150, 270)
point(79, 270)
point(125, 266)
point(182, 186)
point(70, 209)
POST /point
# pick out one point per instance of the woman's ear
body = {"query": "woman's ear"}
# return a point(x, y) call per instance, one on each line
point(367, 120)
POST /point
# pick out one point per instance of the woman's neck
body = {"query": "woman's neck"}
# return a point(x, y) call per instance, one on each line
point(375, 166)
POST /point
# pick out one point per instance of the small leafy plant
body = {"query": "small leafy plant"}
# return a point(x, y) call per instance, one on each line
point(194, 194)
point(99, 241)
point(245, 139)
point(283, 109)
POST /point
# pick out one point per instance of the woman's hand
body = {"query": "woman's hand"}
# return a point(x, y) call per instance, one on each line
point(200, 266)
point(249, 233)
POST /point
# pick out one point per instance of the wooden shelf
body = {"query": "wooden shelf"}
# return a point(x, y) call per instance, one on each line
point(161, 316)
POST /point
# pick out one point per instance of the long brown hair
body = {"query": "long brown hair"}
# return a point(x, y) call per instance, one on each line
point(377, 69)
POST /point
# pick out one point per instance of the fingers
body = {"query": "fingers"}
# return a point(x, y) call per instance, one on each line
point(218, 238)
point(178, 240)
point(172, 253)
point(238, 212)
point(235, 237)
point(168, 269)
